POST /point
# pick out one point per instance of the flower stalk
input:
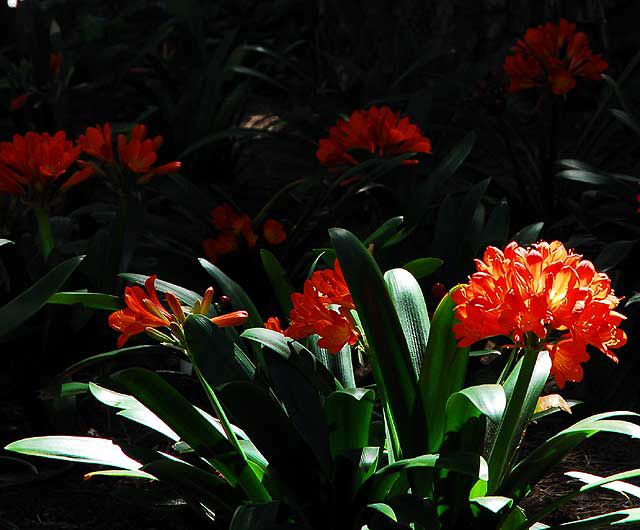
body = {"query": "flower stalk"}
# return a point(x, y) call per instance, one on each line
point(45, 233)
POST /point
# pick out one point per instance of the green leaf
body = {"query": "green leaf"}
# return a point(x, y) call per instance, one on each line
point(613, 253)
point(493, 503)
point(522, 388)
point(72, 389)
point(524, 476)
point(439, 176)
point(423, 267)
point(467, 463)
point(255, 516)
point(280, 284)
point(239, 299)
point(348, 414)
point(217, 357)
point(613, 482)
point(30, 301)
point(528, 235)
point(91, 300)
point(110, 355)
point(83, 449)
point(173, 409)
point(120, 473)
point(288, 348)
point(489, 400)
point(340, 364)
point(388, 351)
point(443, 372)
point(383, 509)
point(631, 515)
point(4, 242)
point(411, 307)
point(384, 232)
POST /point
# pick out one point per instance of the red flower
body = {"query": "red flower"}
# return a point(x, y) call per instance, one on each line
point(140, 153)
point(31, 163)
point(273, 323)
point(231, 224)
point(145, 311)
point(378, 131)
point(18, 102)
point(544, 290)
point(311, 311)
point(55, 62)
point(554, 54)
point(273, 232)
point(97, 142)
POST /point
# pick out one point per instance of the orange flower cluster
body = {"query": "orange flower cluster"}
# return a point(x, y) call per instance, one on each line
point(324, 309)
point(545, 290)
point(138, 154)
point(31, 164)
point(554, 54)
point(378, 131)
point(232, 226)
point(144, 311)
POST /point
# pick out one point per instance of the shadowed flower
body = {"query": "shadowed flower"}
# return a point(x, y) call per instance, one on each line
point(273, 232)
point(18, 102)
point(231, 225)
point(376, 131)
point(55, 63)
point(324, 308)
point(31, 165)
point(554, 54)
point(140, 153)
point(145, 312)
point(543, 290)
point(98, 143)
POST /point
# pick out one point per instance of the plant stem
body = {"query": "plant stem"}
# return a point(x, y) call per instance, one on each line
point(44, 230)
point(249, 482)
point(509, 431)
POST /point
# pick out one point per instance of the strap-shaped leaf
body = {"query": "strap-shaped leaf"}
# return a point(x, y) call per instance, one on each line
point(288, 348)
point(83, 449)
point(388, 350)
point(174, 410)
point(240, 301)
point(280, 283)
point(411, 307)
point(30, 301)
point(106, 302)
point(443, 371)
point(339, 364)
point(217, 357)
point(384, 232)
point(522, 388)
point(632, 515)
point(110, 355)
point(423, 267)
point(348, 413)
point(528, 471)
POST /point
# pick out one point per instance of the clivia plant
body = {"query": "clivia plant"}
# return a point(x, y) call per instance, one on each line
point(290, 441)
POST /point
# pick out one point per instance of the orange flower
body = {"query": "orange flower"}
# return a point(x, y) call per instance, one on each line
point(223, 216)
point(311, 312)
point(97, 142)
point(273, 232)
point(225, 243)
point(273, 323)
point(139, 154)
point(377, 131)
point(544, 290)
point(145, 311)
point(554, 54)
point(30, 164)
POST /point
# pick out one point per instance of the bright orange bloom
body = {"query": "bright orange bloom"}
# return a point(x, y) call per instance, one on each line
point(97, 142)
point(30, 164)
point(312, 313)
point(273, 232)
point(145, 311)
point(554, 54)
point(273, 323)
point(140, 153)
point(545, 290)
point(378, 131)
